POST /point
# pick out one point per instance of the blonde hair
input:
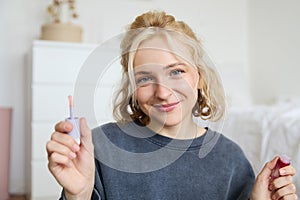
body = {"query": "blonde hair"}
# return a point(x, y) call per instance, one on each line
point(210, 103)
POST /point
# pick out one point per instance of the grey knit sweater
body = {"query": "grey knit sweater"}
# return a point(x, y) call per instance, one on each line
point(134, 163)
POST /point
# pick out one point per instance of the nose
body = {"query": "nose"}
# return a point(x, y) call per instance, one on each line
point(162, 91)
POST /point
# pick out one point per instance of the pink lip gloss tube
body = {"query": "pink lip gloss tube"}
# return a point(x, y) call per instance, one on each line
point(75, 133)
point(282, 162)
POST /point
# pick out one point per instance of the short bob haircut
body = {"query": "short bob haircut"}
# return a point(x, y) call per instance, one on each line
point(210, 103)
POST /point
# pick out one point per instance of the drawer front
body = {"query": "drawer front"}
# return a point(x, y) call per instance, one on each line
point(41, 134)
point(50, 103)
point(57, 65)
point(43, 184)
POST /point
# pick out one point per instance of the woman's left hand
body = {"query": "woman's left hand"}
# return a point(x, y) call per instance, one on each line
point(279, 188)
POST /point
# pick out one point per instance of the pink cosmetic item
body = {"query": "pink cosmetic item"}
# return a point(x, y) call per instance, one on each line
point(75, 133)
point(282, 162)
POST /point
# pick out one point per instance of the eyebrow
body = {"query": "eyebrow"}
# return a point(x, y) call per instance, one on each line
point(142, 73)
point(166, 67)
point(174, 65)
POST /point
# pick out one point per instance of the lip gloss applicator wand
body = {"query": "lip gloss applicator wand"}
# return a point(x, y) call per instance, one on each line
point(75, 133)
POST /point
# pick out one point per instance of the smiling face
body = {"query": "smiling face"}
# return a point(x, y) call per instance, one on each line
point(166, 86)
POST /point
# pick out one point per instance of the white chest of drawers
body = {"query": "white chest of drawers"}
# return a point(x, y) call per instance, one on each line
point(52, 73)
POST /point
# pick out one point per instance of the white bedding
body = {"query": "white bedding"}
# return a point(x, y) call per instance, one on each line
point(266, 131)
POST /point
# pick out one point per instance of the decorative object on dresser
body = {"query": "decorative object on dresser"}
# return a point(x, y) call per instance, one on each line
point(61, 28)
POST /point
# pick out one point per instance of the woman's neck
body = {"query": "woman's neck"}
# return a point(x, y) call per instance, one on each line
point(185, 130)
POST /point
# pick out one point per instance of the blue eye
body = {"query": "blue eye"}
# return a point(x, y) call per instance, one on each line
point(176, 72)
point(143, 80)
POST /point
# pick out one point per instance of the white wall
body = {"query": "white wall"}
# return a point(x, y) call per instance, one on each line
point(19, 25)
point(274, 49)
point(223, 26)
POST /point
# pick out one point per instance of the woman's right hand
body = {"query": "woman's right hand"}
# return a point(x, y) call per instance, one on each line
point(280, 188)
point(71, 164)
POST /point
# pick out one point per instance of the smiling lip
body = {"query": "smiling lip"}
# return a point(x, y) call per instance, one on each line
point(166, 107)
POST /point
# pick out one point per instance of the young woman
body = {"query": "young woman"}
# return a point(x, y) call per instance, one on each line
point(155, 150)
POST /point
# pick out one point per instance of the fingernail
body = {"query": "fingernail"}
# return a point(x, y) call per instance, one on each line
point(282, 171)
point(75, 148)
point(67, 126)
point(72, 155)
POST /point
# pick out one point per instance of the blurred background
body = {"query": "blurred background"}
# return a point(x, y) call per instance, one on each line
point(254, 43)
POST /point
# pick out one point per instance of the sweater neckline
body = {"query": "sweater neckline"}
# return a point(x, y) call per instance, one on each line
point(206, 140)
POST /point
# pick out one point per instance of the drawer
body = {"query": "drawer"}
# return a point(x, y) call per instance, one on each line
point(41, 133)
point(60, 63)
point(43, 184)
point(50, 103)
point(63, 64)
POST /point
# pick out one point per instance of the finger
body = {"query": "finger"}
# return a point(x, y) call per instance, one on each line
point(53, 146)
point(63, 127)
point(288, 170)
point(267, 170)
point(85, 131)
point(281, 182)
point(56, 159)
point(287, 192)
point(86, 136)
point(290, 197)
point(65, 140)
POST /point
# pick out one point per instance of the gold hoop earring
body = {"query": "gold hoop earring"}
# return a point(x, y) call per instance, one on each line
point(196, 110)
point(136, 113)
point(134, 106)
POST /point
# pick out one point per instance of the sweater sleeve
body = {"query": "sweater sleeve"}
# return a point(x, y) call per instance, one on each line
point(242, 180)
point(95, 195)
